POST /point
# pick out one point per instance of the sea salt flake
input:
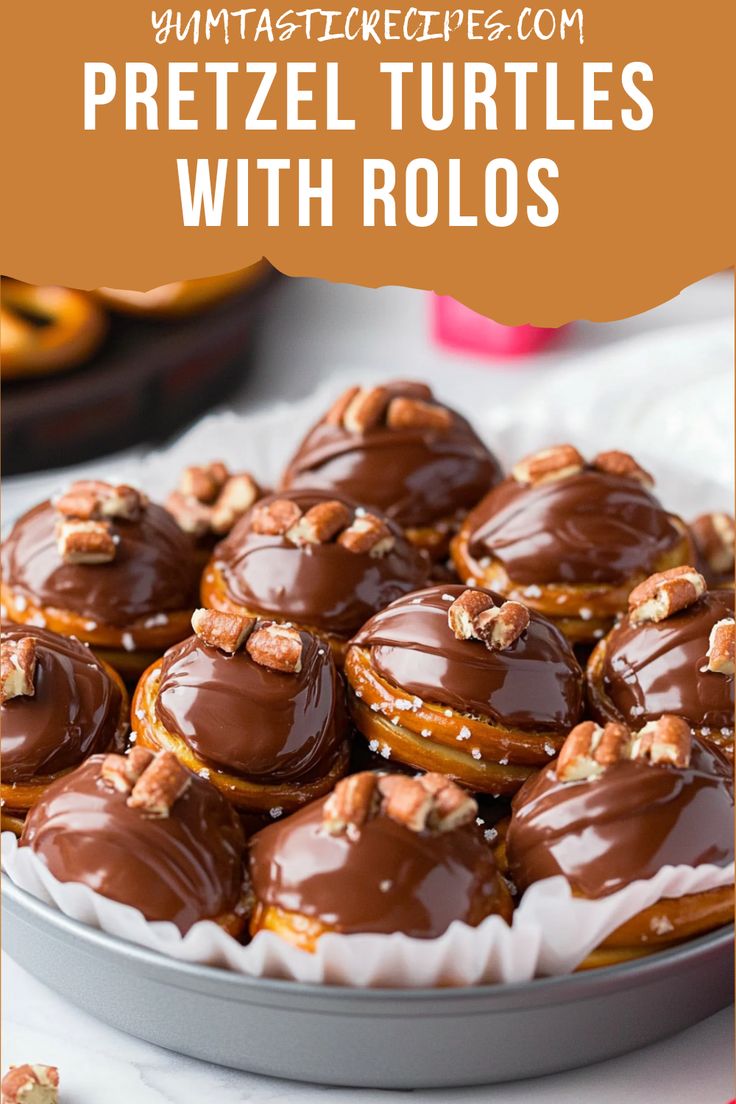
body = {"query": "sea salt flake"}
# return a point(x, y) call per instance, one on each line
point(660, 925)
point(20, 603)
point(550, 749)
point(205, 773)
point(448, 712)
point(490, 834)
point(276, 812)
point(128, 642)
point(156, 619)
point(464, 733)
point(385, 751)
point(448, 597)
point(475, 753)
point(585, 613)
point(403, 703)
point(385, 885)
point(426, 732)
point(373, 745)
point(533, 591)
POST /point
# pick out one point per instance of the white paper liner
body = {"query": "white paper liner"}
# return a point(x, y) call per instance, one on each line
point(551, 933)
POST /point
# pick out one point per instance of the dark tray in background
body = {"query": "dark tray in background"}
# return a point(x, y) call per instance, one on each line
point(148, 380)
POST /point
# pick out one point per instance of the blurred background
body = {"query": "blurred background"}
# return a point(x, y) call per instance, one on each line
point(87, 375)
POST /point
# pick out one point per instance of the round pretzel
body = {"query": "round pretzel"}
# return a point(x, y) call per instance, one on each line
point(46, 329)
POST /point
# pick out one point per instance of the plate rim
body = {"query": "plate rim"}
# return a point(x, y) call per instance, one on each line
point(193, 975)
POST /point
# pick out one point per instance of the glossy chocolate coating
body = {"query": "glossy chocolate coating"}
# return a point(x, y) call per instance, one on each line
point(385, 879)
point(591, 527)
point(74, 712)
point(661, 667)
point(153, 571)
point(320, 585)
point(185, 867)
point(250, 720)
point(534, 684)
point(627, 824)
point(414, 476)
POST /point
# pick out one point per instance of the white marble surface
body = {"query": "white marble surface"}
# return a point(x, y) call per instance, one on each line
point(316, 330)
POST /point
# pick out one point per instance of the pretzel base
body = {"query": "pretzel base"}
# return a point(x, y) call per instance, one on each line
point(584, 613)
point(244, 794)
point(107, 641)
point(379, 710)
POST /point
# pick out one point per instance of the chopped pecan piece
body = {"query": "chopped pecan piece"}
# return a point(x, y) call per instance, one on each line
point(366, 409)
point(404, 413)
point(276, 646)
point(85, 542)
point(557, 462)
point(203, 483)
point(714, 536)
point(499, 626)
point(93, 500)
point(667, 740)
point(191, 516)
point(367, 533)
point(405, 800)
point(462, 613)
point(320, 523)
point(621, 463)
point(226, 631)
point(160, 785)
point(30, 1084)
point(17, 668)
point(665, 593)
point(336, 413)
point(721, 647)
point(235, 499)
point(275, 518)
point(451, 807)
point(352, 802)
point(123, 771)
point(589, 749)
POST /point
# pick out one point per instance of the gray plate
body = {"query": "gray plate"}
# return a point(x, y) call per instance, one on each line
point(383, 1038)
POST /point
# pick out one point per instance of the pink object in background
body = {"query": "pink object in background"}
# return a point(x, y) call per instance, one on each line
point(460, 328)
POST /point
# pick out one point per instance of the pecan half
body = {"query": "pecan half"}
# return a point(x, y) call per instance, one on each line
point(352, 802)
point(320, 523)
point(159, 786)
point(666, 740)
point(235, 499)
point(665, 593)
point(499, 626)
point(17, 668)
point(589, 749)
point(404, 413)
point(191, 516)
point(366, 409)
point(462, 613)
point(276, 646)
point(721, 647)
point(275, 518)
point(123, 771)
point(226, 631)
point(90, 500)
point(30, 1084)
point(204, 482)
point(367, 533)
point(714, 536)
point(85, 542)
point(621, 463)
point(557, 462)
